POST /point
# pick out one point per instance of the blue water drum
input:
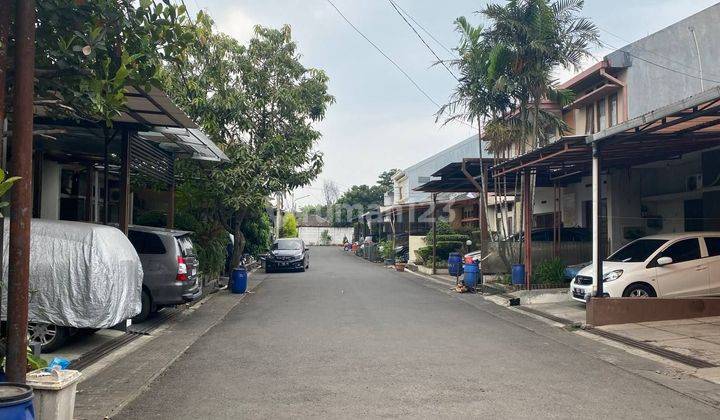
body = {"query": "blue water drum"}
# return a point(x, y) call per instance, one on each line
point(472, 275)
point(239, 280)
point(455, 264)
point(16, 402)
point(518, 274)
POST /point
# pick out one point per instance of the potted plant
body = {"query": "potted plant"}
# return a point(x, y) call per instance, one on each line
point(400, 264)
point(387, 252)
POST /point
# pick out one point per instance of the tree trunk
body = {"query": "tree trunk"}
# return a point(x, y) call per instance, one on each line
point(239, 238)
point(483, 218)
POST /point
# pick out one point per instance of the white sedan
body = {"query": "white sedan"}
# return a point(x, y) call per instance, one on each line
point(671, 265)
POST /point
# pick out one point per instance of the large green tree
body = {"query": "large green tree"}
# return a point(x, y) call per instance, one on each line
point(259, 103)
point(88, 52)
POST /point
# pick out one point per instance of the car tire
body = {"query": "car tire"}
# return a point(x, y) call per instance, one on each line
point(146, 308)
point(51, 337)
point(268, 270)
point(639, 290)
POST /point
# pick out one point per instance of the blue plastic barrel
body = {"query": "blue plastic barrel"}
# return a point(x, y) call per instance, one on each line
point(238, 280)
point(455, 264)
point(518, 274)
point(16, 402)
point(472, 274)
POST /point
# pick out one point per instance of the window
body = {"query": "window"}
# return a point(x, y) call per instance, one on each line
point(685, 250)
point(613, 109)
point(713, 246)
point(146, 243)
point(186, 246)
point(287, 244)
point(602, 115)
point(590, 119)
point(637, 251)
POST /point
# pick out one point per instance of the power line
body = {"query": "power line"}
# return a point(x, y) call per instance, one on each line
point(660, 65)
point(397, 66)
point(649, 51)
point(425, 30)
point(441, 61)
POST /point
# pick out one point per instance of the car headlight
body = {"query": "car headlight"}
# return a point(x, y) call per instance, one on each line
point(613, 275)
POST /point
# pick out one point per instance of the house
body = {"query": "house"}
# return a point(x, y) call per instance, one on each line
point(83, 172)
point(640, 156)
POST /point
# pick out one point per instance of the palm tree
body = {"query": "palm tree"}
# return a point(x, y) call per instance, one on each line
point(530, 39)
point(475, 98)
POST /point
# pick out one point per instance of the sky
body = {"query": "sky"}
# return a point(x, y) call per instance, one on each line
point(380, 120)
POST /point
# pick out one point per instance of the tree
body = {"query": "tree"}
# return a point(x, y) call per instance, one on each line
point(259, 103)
point(385, 180)
point(289, 227)
point(88, 52)
point(330, 192)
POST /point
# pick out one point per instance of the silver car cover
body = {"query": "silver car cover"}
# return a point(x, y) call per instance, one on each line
point(82, 275)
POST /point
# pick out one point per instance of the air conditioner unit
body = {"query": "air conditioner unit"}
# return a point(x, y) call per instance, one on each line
point(693, 182)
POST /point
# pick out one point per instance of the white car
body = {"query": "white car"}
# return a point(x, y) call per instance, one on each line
point(672, 265)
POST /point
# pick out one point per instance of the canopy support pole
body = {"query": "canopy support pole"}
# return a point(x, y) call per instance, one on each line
point(434, 231)
point(596, 202)
point(21, 202)
point(527, 218)
point(124, 213)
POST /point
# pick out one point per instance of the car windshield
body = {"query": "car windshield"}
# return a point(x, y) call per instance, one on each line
point(287, 245)
point(637, 251)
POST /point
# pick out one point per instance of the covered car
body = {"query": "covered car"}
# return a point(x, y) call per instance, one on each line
point(82, 275)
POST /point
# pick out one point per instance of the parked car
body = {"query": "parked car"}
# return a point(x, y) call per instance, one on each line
point(288, 254)
point(672, 265)
point(83, 277)
point(170, 265)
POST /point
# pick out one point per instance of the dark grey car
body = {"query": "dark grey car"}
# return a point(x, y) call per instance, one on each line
point(170, 266)
point(288, 254)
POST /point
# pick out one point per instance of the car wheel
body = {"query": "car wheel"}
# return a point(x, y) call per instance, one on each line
point(51, 337)
point(146, 307)
point(268, 270)
point(639, 290)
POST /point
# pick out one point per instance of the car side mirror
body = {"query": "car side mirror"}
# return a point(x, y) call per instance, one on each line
point(307, 248)
point(662, 261)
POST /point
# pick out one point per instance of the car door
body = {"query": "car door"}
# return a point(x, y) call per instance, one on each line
point(688, 275)
point(712, 243)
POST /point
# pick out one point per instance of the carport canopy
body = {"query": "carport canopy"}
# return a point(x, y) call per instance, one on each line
point(686, 126)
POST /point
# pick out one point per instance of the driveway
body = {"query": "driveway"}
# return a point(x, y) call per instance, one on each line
point(349, 338)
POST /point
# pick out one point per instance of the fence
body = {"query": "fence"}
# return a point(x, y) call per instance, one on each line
point(505, 253)
point(312, 234)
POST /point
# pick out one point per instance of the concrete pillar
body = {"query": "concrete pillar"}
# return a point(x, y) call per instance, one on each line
point(596, 202)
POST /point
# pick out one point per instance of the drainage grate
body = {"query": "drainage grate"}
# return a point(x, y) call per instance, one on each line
point(668, 354)
point(551, 317)
point(659, 351)
point(133, 333)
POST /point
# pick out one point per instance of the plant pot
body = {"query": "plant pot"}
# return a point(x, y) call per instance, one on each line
point(400, 266)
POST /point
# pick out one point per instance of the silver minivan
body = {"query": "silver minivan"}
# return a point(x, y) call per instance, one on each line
point(170, 267)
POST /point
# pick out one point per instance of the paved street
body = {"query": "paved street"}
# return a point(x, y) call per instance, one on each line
point(350, 339)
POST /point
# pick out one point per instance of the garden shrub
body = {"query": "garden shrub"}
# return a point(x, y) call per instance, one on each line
point(549, 272)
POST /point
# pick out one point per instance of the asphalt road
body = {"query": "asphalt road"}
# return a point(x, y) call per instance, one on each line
point(349, 339)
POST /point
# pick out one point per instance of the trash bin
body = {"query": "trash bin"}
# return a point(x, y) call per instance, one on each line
point(518, 274)
point(455, 264)
point(16, 402)
point(54, 392)
point(472, 274)
point(238, 280)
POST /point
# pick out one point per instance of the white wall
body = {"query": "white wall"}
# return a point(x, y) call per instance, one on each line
point(50, 199)
point(311, 235)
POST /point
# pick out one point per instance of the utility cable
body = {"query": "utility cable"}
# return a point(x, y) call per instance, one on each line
point(439, 60)
point(397, 66)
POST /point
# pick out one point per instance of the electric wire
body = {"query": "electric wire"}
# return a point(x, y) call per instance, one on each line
point(393, 62)
point(439, 60)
